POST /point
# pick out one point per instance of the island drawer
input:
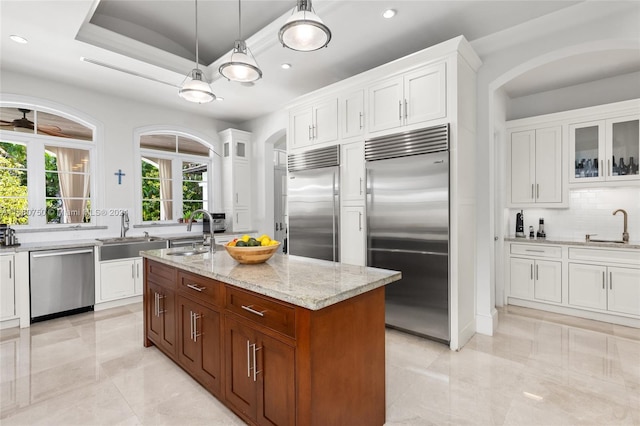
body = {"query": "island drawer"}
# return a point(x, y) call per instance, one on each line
point(161, 274)
point(536, 250)
point(202, 288)
point(262, 310)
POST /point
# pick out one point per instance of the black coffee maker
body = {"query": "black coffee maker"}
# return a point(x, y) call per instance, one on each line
point(520, 225)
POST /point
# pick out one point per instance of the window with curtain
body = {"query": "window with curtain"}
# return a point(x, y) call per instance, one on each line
point(66, 148)
point(174, 176)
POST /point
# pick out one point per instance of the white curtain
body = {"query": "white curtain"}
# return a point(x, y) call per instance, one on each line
point(166, 203)
point(73, 168)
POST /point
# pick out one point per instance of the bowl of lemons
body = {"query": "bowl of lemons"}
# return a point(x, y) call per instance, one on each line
point(249, 250)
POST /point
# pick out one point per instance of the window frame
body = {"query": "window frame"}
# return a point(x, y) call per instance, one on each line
point(35, 143)
point(176, 172)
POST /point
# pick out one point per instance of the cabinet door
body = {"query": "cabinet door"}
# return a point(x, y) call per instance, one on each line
point(117, 279)
point(199, 347)
point(352, 172)
point(425, 94)
point(241, 220)
point(521, 278)
point(548, 165)
point(548, 281)
point(325, 121)
point(161, 316)
point(385, 105)
point(7, 287)
point(352, 236)
point(300, 123)
point(522, 167)
point(242, 184)
point(139, 277)
point(587, 152)
point(623, 148)
point(240, 387)
point(624, 290)
point(276, 382)
point(587, 286)
point(352, 114)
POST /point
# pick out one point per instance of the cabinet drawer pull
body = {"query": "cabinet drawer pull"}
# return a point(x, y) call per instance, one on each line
point(537, 191)
point(534, 251)
point(603, 280)
point(10, 268)
point(255, 364)
point(196, 288)
point(360, 186)
point(610, 280)
point(248, 359)
point(601, 171)
point(531, 271)
point(532, 197)
point(536, 272)
point(253, 311)
point(361, 121)
point(359, 221)
point(309, 132)
point(406, 110)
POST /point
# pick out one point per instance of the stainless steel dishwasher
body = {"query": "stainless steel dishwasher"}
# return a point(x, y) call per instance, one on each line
point(62, 282)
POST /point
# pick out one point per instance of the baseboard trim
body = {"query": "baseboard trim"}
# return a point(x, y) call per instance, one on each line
point(487, 324)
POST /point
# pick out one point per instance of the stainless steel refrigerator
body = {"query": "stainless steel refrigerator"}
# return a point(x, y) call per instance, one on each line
point(314, 203)
point(408, 226)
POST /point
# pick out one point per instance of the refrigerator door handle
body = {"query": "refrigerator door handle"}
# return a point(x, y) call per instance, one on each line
point(431, 253)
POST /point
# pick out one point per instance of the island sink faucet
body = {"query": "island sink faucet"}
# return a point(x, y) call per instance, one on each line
point(212, 241)
point(625, 231)
point(124, 224)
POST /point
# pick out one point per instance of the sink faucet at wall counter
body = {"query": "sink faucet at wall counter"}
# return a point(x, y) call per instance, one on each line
point(124, 224)
point(625, 231)
point(212, 241)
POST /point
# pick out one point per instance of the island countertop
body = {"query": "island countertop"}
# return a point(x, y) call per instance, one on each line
point(305, 282)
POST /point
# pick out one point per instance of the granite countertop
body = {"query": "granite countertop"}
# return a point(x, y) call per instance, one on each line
point(309, 283)
point(574, 242)
point(49, 245)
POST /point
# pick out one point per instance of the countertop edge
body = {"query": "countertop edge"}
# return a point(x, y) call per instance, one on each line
point(284, 297)
point(592, 244)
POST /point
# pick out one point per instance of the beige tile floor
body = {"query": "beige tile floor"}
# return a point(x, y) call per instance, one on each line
point(539, 369)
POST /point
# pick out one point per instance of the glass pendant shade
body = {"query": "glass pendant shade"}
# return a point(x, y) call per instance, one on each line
point(241, 66)
point(304, 30)
point(195, 89)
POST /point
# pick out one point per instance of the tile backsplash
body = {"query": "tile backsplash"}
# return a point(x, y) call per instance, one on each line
point(590, 212)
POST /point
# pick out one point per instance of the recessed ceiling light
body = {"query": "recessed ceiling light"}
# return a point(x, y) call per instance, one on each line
point(389, 13)
point(18, 39)
point(285, 66)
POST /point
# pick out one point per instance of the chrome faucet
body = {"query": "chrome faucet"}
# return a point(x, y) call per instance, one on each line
point(625, 231)
point(124, 224)
point(212, 241)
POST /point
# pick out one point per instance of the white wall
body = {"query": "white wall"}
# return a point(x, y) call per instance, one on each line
point(266, 131)
point(118, 118)
point(585, 27)
point(608, 90)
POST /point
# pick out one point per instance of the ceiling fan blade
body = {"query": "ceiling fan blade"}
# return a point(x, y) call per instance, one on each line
point(52, 131)
point(6, 123)
point(49, 127)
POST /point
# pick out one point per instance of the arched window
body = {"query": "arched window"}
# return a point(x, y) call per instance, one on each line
point(174, 176)
point(46, 168)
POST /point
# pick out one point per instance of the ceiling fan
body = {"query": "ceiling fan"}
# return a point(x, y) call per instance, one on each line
point(25, 123)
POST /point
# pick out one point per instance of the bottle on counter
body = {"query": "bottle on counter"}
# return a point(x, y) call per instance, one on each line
point(541, 233)
point(531, 234)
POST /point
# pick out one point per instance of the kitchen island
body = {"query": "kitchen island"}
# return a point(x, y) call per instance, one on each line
point(291, 341)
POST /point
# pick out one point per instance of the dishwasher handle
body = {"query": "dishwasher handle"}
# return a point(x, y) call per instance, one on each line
point(60, 253)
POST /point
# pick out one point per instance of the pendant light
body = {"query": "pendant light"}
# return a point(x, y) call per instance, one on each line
point(242, 65)
point(304, 30)
point(194, 87)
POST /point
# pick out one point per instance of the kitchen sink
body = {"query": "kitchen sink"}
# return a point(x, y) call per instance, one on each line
point(128, 247)
point(188, 252)
point(120, 240)
point(593, 240)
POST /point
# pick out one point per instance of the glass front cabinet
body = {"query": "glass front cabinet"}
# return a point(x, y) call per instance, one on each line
point(605, 150)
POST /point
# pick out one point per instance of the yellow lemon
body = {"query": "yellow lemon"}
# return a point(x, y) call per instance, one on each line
point(265, 241)
point(245, 238)
point(273, 243)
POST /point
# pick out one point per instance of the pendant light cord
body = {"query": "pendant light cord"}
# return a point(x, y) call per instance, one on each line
point(239, 21)
point(197, 59)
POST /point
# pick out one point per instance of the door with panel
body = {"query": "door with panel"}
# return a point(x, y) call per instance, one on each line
point(200, 348)
point(7, 287)
point(548, 281)
point(521, 278)
point(161, 316)
point(425, 94)
point(587, 285)
point(240, 388)
point(548, 165)
point(352, 113)
point(624, 290)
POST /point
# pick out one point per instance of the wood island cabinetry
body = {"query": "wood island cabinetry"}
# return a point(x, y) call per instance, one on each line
point(270, 361)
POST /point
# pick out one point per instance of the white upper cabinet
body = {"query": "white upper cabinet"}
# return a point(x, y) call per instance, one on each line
point(236, 175)
point(314, 124)
point(412, 98)
point(352, 172)
point(605, 150)
point(535, 166)
point(352, 114)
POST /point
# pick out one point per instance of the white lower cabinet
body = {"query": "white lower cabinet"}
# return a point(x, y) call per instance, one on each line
point(352, 236)
point(536, 279)
point(7, 287)
point(120, 279)
point(605, 287)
